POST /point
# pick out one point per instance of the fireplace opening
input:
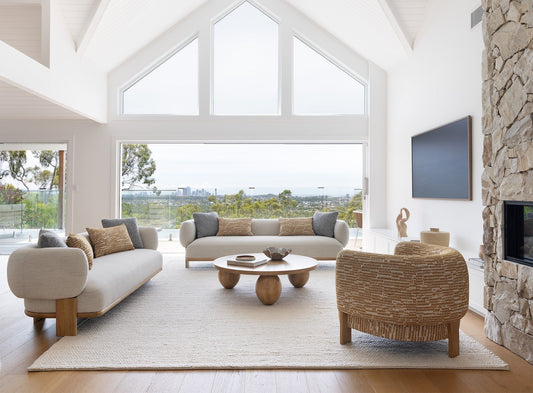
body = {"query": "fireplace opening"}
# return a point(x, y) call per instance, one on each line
point(518, 232)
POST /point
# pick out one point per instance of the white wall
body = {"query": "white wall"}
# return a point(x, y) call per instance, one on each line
point(439, 83)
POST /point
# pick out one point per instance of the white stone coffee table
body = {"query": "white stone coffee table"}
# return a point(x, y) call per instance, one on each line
point(268, 286)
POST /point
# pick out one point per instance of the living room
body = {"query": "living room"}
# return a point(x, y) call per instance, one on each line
point(420, 63)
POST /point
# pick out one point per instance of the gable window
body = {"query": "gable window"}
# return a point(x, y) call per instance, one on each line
point(321, 87)
point(246, 63)
point(171, 88)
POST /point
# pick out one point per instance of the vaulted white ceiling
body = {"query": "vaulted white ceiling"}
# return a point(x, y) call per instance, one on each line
point(106, 33)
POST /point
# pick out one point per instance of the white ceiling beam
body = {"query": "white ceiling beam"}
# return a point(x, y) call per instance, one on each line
point(92, 26)
point(404, 39)
point(67, 82)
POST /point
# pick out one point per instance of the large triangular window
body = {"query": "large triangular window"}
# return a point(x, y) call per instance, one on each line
point(171, 88)
point(321, 87)
point(246, 63)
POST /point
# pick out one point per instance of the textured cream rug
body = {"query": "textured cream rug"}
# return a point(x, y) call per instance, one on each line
point(184, 319)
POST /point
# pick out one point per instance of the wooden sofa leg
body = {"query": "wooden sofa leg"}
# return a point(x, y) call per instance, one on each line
point(186, 263)
point(67, 317)
point(453, 339)
point(346, 330)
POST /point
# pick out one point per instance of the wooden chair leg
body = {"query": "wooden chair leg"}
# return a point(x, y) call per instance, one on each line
point(453, 339)
point(346, 330)
point(38, 320)
point(186, 263)
point(67, 317)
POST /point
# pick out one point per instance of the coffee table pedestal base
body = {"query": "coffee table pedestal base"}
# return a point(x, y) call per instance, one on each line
point(298, 280)
point(227, 279)
point(268, 289)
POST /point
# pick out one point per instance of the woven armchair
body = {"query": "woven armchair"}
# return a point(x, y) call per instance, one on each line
point(418, 294)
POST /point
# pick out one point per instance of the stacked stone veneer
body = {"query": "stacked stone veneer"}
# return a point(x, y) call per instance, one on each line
point(507, 69)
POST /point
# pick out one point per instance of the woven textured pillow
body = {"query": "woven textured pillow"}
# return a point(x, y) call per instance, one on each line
point(131, 226)
point(81, 242)
point(110, 240)
point(296, 226)
point(234, 227)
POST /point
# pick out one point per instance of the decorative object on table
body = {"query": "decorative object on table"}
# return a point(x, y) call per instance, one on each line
point(245, 258)
point(277, 253)
point(481, 254)
point(246, 261)
point(436, 237)
point(401, 222)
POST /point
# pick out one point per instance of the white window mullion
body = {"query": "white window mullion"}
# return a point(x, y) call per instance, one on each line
point(286, 64)
point(204, 70)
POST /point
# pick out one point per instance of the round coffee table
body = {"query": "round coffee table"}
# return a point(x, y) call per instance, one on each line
point(268, 285)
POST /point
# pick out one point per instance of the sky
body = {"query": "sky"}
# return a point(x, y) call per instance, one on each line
point(270, 168)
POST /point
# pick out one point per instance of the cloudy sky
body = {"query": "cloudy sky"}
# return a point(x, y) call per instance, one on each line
point(267, 167)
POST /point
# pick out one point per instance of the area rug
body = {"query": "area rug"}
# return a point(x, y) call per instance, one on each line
point(184, 319)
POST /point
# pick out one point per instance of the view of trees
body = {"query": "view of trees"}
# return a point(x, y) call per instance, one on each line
point(169, 211)
point(40, 206)
point(39, 193)
point(138, 166)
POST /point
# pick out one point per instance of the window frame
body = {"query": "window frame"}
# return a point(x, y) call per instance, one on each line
point(152, 67)
point(335, 63)
point(212, 24)
point(287, 32)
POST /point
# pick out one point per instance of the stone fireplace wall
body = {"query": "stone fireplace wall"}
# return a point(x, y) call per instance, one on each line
point(507, 69)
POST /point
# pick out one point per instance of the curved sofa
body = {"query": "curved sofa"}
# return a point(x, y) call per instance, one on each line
point(266, 234)
point(57, 283)
point(418, 294)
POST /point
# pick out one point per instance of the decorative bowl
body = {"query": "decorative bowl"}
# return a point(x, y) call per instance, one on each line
point(276, 253)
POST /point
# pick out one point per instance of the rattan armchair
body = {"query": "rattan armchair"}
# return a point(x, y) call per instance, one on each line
point(418, 294)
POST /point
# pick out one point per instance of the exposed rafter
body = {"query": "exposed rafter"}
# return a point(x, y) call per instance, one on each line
point(398, 29)
point(92, 26)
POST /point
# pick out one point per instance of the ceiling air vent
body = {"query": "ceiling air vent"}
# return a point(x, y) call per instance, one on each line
point(476, 16)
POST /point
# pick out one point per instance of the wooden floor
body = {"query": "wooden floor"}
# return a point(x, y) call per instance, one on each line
point(21, 343)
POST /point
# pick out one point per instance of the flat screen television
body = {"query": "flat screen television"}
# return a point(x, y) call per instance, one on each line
point(442, 162)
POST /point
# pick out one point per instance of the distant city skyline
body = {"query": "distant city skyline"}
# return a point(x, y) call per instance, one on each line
point(268, 168)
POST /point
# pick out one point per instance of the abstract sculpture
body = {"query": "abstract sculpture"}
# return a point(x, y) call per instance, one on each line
point(401, 222)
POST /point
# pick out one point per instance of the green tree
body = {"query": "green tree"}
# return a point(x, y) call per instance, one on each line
point(16, 165)
point(286, 202)
point(346, 214)
point(46, 178)
point(138, 166)
point(9, 194)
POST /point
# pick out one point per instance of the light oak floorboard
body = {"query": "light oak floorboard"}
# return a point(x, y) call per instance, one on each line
point(21, 343)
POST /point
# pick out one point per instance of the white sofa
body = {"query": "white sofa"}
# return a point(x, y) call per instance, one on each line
point(266, 234)
point(57, 283)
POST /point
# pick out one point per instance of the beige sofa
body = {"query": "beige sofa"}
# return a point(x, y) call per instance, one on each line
point(266, 234)
point(57, 283)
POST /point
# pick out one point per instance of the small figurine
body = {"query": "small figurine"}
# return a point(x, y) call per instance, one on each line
point(401, 222)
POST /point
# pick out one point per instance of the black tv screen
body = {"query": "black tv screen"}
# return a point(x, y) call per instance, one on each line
point(441, 161)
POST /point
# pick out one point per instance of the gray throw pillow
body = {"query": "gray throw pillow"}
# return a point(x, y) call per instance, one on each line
point(131, 226)
point(49, 239)
point(324, 223)
point(206, 224)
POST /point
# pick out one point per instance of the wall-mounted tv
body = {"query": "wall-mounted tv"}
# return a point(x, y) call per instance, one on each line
point(442, 162)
